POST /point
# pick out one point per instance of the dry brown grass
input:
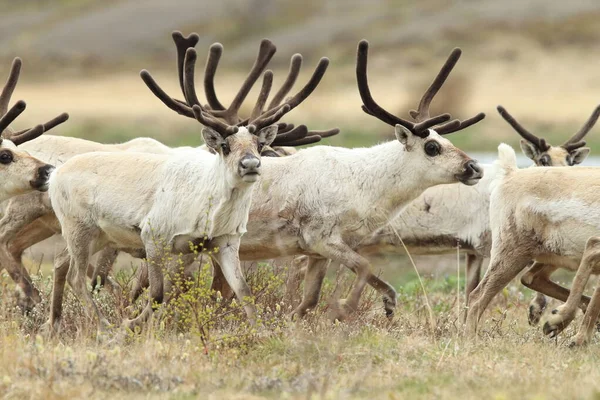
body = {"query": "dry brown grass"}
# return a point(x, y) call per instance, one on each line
point(365, 357)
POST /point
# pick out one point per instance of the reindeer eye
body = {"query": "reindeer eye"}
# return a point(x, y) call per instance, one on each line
point(225, 148)
point(432, 148)
point(6, 157)
point(260, 147)
point(544, 161)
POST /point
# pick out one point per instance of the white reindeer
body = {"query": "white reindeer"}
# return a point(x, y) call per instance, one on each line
point(191, 195)
point(29, 219)
point(21, 172)
point(550, 215)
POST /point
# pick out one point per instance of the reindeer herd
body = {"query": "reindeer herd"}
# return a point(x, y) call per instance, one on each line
point(250, 195)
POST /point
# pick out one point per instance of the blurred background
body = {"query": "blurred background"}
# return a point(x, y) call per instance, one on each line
point(538, 58)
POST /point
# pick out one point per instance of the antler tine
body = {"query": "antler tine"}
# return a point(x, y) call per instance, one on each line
point(48, 125)
point(167, 100)
point(12, 114)
point(301, 142)
point(421, 129)
point(298, 98)
point(525, 134)
point(572, 146)
point(295, 65)
point(212, 62)
point(10, 85)
point(265, 53)
point(183, 43)
point(370, 105)
point(28, 135)
point(325, 133)
point(265, 90)
point(208, 120)
point(423, 111)
point(299, 132)
point(188, 77)
point(452, 126)
point(589, 124)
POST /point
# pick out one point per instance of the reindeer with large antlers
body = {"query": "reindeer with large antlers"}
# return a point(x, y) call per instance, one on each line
point(21, 172)
point(189, 195)
point(343, 195)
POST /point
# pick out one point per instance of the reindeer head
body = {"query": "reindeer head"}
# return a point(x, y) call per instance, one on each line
point(572, 152)
point(422, 139)
point(20, 172)
point(239, 142)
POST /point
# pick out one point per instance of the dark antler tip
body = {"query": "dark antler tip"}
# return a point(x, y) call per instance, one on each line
point(250, 128)
point(480, 116)
point(324, 61)
point(63, 117)
point(216, 48)
point(177, 34)
point(501, 109)
point(190, 52)
point(456, 50)
point(297, 58)
point(20, 105)
point(268, 73)
point(144, 73)
point(363, 44)
point(17, 61)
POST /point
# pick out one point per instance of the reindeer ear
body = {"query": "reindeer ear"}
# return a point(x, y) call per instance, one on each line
point(530, 150)
point(579, 155)
point(267, 135)
point(402, 133)
point(212, 138)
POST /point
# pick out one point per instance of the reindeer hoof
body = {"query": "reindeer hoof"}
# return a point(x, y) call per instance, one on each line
point(534, 315)
point(389, 305)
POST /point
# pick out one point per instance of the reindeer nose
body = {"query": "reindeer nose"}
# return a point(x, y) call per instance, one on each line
point(250, 162)
point(44, 172)
point(473, 168)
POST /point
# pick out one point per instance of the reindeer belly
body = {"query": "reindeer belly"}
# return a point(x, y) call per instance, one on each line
point(121, 237)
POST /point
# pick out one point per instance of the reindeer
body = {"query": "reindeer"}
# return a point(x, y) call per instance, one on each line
point(29, 219)
point(447, 216)
point(343, 195)
point(22, 173)
point(548, 215)
point(187, 196)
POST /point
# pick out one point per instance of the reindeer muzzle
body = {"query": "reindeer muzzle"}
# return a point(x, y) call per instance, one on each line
point(41, 180)
point(471, 174)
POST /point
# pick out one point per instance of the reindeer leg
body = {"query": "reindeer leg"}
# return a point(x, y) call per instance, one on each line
point(229, 260)
point(474, 263)
point(538, 278)
point(219, 283)
point(20, 212)
point(505, 265)
point(590, 318)
point(81, 241)
point(61, 268)
point(341, 252)
point(563, 315)
point(106, 259)
point(313, 280)
point(154, 270)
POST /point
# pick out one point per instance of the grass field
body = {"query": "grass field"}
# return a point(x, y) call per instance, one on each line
point(202, 349)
